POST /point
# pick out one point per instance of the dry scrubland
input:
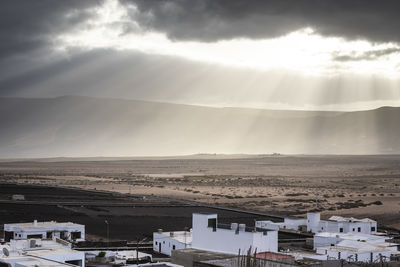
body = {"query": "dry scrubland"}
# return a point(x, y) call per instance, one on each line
point(291, 185)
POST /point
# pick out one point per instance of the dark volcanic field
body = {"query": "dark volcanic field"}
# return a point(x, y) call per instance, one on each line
point(129, 217)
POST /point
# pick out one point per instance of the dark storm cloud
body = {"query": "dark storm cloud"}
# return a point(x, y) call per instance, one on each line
point(27, 25)
point(211, 20)
point(369, 55)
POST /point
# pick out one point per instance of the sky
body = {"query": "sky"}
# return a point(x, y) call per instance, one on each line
point(281, 54)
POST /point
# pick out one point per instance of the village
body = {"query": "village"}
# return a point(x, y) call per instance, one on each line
point(336, 241)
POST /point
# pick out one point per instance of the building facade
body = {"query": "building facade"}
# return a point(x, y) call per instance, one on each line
point(166, 242)
point(209, 235)
point(44, 230)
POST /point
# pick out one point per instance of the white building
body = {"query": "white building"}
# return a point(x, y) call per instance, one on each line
point(44, 230)
point(352, 251)
point(340, 224)
point(28, 261)
point(336, 224)
point(332, 239)
point(210, 236)
point(56, 250)
point(166, 242)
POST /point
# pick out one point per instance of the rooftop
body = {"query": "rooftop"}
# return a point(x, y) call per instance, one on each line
point(349, 219)
point(33, 261)
point(34, 225)
point(356, 247)
point(184, 237)
point(351, 236)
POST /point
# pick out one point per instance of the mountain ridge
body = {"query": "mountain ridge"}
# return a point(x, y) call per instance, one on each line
point(80, 126)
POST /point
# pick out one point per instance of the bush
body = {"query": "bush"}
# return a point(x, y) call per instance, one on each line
point(101, 254)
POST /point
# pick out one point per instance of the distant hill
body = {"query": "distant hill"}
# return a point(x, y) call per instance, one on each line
point(86, 126)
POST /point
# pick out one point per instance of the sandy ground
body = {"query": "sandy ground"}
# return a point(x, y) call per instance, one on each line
point(360, 186)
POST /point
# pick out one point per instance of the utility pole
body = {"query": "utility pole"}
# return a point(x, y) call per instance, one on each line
point(108, 233)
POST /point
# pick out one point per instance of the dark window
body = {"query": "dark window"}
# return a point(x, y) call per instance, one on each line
point(75, 262)
point(49, 235)
point(156, 243)
point(359, 229)
point(354, 229)
point(213, 223)
point(341, 229)
point(63, 235)
point(34, 236)
point(8, 236)
point(76, 235)
point(356, 257)
point(173, 247)
point(339, 255)
point(373, 229)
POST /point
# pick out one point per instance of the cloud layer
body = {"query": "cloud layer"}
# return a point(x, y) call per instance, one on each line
point(210, 20)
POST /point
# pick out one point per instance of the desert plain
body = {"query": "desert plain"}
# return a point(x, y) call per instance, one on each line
point(349, 185)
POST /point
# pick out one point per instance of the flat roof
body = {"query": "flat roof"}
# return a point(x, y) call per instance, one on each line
point(356, 246)
point(351, 236)
point(184, 237)
point(32, 225)
point(34, 261)
point(349, 219)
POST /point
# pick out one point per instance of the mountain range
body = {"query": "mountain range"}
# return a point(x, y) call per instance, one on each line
point(79, 126)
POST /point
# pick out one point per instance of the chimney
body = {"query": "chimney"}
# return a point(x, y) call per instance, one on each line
point(242, 227)
point(159, 231)
point(171, 234)
point(234, 226)
point(35, 223)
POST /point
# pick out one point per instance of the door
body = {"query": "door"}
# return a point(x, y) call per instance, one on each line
point(159, 247)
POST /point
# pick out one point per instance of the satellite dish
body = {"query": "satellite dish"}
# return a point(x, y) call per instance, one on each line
point(6, 252)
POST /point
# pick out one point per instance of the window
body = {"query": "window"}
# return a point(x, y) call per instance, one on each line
point(339, 255)
point(173, 247)
point(341, 229)
point(63, 235)
point(354, 229)
point(359, 229)
point(373, 229)
point(49, 235)
point(76, 235)
point(213, 223)
point(34, 236)
point(156, 243)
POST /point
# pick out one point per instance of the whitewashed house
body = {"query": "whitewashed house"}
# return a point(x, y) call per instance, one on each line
point(209, 235)
point(29, 261)
point(357, 251)
point(44, 230)
point(332, 239)
point(166, 242)
point(56, 250)
point(336, 224)
point(340, 224)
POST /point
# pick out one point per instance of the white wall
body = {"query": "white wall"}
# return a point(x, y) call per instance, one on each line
point(316, 225)
point(64, 257)
point(167, 243)
point(24, 232)
point(230, 241)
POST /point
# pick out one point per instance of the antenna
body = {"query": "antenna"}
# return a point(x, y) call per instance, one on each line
point(6, 252)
